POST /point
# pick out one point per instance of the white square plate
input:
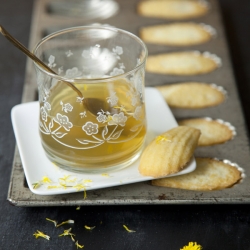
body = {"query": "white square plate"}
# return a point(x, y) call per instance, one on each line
point(36, 165)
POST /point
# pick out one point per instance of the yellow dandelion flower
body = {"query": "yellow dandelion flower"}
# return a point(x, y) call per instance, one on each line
point(72, 238)
point(36, 185)
point(162, 138)
point(109, 118)
point(65, 177)
point(38, 234)
point(53, 221)
point(89, 228)
point(66, 222)
point(192, 246)
point(46, 179)
point(79, 187)
point(64, 180)
point(105, 175)
point(84, 194)
point(78, 245)
point(66, 232)
point(128, 230)
point(122, 109)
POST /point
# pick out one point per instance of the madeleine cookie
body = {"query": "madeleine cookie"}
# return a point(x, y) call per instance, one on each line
point(183, 63)
point(177, 34)
point(173, 9)
point(169, 152)
point(210, 174)
point(192, 95)
point(212, 131)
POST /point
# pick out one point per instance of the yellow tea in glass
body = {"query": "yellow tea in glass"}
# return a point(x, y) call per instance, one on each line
point(104, 127)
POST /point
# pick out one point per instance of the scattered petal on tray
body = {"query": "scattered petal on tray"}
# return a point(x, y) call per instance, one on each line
point(212, 131)
point(169, 152)
point(210, 174)
point(178, 34)
point(183, 63)
point(173, 9)
point(192, 95)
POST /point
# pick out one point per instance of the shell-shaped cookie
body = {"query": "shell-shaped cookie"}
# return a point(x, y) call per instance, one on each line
point(169, 152)
point(177, 34)
point(183, 63)
point(212, 131)
point(192, 95)
point(210, 174)
point(173, 9)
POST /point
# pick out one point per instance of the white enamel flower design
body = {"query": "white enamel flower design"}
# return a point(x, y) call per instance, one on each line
point(101, 117)
point(63, 120)
point(68, 53)
point(138, 61)
point(118, 119)
point(60, 70)
point(90, 128)
point(118, 50)
point(112, 99)
point(66, 107)
point(139, 85)
point(138, 113)
point(116, 72)
point(44, 114)
point(79, 99)
point(121, 66)
point(73, 73)
point(86, 54)
point(51, 60)
point(95, 51)
point(83, 114)
point(47, 106)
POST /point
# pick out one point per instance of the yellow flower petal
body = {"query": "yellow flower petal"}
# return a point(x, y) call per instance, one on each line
point(66, 222)
point(89, 228)
point(162, 138)
point(67, 233)
point(128, 230)
point(55, 222)
point(85, 194)
point(192, 246)
point(78, 245)
point(36, 185)
point(79, 187)
point(105, 175)
point(38, 234)
point(46, 179)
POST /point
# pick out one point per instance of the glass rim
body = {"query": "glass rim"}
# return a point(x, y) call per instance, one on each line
point(117, 30)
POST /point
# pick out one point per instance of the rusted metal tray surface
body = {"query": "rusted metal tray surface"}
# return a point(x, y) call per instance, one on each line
point(45, 21)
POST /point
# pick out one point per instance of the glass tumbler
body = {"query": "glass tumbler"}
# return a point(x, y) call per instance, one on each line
point(92, 110)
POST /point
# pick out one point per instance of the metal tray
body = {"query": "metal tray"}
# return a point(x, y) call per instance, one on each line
point(236, 151)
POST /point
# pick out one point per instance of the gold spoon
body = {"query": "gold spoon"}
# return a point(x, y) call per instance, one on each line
point(34, 58)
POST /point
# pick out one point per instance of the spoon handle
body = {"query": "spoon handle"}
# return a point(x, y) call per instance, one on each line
point(16, 43)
